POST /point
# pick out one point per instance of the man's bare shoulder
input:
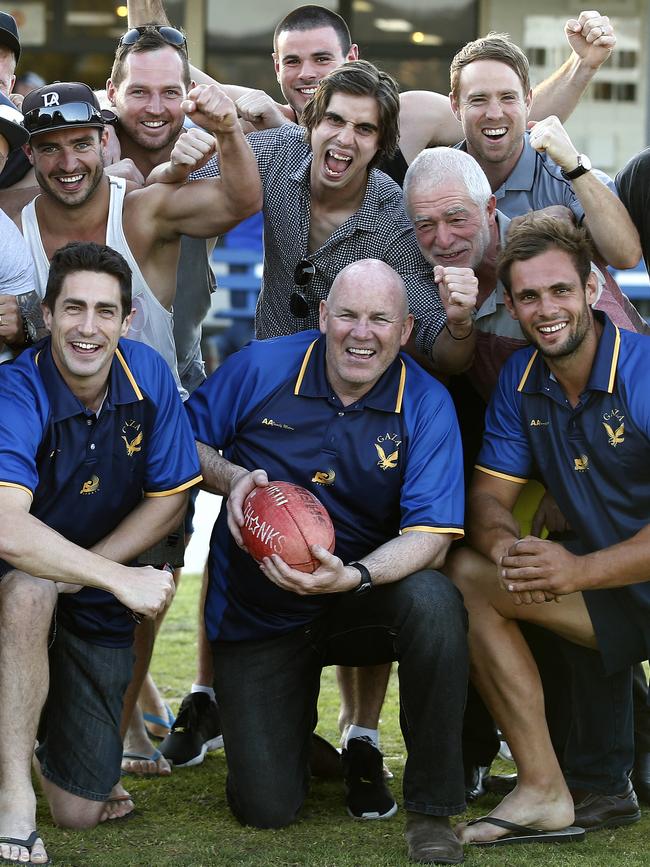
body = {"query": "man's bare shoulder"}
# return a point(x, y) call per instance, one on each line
point(13, 201)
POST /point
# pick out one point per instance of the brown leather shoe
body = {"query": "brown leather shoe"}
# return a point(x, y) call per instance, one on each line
point(430, 840)
point(595, 811)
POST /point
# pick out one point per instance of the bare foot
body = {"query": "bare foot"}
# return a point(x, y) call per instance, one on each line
point(141, 758)
point(118, 805)
point(30, 850)
point(155, 711)
point(144, 765)
point(533, 806)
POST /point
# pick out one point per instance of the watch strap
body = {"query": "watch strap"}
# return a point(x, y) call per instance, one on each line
point(366, 579)
point(579, 170)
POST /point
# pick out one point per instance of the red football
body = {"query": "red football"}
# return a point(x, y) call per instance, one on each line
point(286, 519)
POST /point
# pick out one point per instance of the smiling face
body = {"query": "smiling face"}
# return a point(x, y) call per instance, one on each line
point(68, 163)
point(86, 324)
point(365, 320)
point(450, 227)
point(345, 142)
point(551, 304)
point(493, 110)
point(148, 100)
point(302, 58)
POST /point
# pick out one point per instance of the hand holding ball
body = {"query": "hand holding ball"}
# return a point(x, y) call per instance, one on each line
point(287, 520)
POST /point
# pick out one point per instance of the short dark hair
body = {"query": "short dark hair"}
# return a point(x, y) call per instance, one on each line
point(149, 40)
point(360, 78)
point(494, 46)
point(311, 18)
point(88, 256)
point(534, 235)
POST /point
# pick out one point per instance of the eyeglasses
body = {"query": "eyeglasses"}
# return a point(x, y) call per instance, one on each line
point(303, 274)
point(47, 117)
point(171, 35)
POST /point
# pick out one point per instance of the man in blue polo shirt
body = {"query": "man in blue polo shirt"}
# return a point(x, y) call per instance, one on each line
point(574, 406)
point(321, 410)
point(96, 457)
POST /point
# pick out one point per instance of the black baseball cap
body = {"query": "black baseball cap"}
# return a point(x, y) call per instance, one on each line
point(62, 105)
point(10, 124)
point(9, 33)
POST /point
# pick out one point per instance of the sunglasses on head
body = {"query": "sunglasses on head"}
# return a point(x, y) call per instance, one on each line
point(46, 117)
point(171, 35)
point(302, 276)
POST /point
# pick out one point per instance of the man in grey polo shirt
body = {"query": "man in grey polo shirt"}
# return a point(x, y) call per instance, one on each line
point(491, 96)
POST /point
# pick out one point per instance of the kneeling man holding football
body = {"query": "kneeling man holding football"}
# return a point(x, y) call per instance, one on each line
point(345, 415)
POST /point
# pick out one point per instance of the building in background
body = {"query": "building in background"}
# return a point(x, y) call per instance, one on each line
point(412, 39)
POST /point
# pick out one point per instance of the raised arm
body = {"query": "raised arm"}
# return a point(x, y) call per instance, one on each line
point(207, 208)
point(426, 120)
point(606, 217)
point(254, 106)
point(592, 40)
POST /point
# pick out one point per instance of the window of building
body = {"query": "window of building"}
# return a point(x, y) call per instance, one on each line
point(536, 56)
point(609, 91)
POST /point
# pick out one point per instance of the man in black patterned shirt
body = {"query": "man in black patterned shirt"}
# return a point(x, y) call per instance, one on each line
point(326, 206)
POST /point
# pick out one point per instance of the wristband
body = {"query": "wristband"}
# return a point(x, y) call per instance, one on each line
point(465, 336)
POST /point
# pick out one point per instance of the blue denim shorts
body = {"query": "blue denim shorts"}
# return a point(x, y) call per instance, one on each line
point(80, 748)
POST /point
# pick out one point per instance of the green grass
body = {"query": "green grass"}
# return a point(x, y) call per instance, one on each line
point(183, 820)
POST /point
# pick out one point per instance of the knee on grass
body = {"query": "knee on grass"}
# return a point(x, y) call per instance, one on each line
point(265, 815)
point(77, 816)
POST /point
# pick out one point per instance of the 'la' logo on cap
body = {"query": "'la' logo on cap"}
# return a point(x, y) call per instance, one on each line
point(51, 98)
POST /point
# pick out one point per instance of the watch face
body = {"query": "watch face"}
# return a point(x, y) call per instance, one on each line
point(585, 162)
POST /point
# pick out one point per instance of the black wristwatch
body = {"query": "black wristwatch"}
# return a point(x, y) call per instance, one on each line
point(366, 581)
point(584, 166)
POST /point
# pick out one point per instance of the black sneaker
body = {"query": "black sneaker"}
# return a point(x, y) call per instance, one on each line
point(196, 731)
point(367, 795)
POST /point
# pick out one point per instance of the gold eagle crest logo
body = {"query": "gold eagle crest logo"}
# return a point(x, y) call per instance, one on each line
point(615, 437)
point(386, 462)
point(90, 486)
point(134, 445)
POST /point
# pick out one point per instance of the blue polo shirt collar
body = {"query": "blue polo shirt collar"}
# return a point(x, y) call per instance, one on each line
point(386, 395)
point(122, 388)
point(537, 376)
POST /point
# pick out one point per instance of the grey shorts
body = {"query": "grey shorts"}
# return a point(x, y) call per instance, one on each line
point(80, 748)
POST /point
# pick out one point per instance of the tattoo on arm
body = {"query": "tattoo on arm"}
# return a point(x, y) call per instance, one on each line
point(30, 308)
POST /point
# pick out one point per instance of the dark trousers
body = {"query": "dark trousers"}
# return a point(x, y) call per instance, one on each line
point(599, 751)
point(268, 690)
